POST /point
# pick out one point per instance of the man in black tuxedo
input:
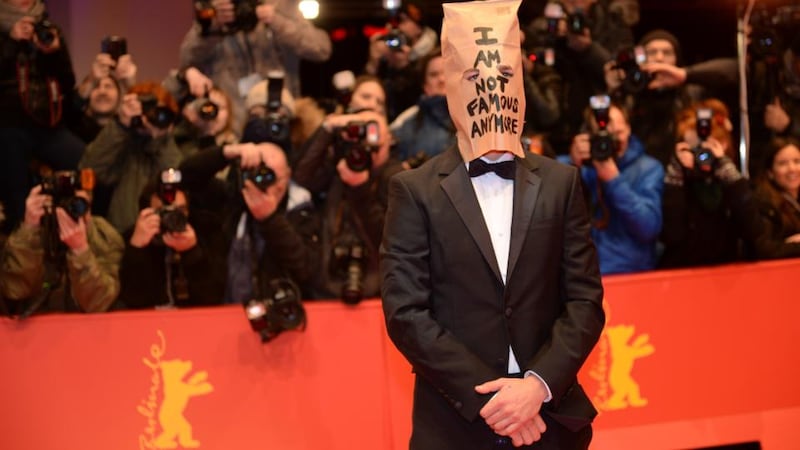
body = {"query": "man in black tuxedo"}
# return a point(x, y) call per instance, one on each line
point(491, 287)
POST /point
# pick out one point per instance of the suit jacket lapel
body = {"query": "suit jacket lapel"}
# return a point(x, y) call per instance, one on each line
point(526, 192)
point(458, 187)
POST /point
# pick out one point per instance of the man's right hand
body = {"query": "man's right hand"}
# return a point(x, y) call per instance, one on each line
point(198, 82)
point(580, 150)
point(22, 29)
point(35, 207)
point(129, 108)
point(148, 224)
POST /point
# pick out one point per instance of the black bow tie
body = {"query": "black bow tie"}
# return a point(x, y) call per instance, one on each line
point(503, 169)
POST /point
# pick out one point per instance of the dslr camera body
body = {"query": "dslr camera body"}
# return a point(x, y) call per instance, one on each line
point(173, 218)
point(244, 11)
point(262, 176)
point(115, 46)
point(282, 310)
point(347, 263)
point(704, 159)
point(630, 61)
point(45, 31)
point(356, 141)
point(603, 144)
point(275, 125)
point(61, 186)
point(157, 115)
point(395, 40)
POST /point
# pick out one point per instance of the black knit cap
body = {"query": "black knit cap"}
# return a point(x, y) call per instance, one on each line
point(413, 10)
point(665, 35)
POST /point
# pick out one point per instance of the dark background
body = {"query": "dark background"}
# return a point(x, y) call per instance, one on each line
point(706, 29)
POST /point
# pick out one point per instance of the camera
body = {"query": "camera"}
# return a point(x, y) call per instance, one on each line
point(45, 31)
point(603, 144)
point(262, 176)
point(704, 159)
point(355, 143)
point(159, 116)
point(244, 12)
point(274, 126)
point(395, 40)
point(279, 312)
point(630, 61)
point(206, 109)
point(115, 46)
point(61, 186)
point(347, 263)
point(173, 218)
point(576, 22)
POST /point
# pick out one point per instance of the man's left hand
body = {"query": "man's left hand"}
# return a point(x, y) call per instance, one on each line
point(182, 241)
point(261, 204)
point(514, 409)
point(72, 233)
point(350, 177)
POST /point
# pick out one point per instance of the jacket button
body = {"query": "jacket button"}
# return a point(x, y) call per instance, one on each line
point(458, 405)
point(508, 312)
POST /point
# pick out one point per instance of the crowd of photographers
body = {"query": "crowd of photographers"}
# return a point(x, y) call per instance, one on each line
point(221, 184)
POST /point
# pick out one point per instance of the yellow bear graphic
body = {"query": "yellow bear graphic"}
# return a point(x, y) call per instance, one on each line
point(623, 354)
point(176, 396)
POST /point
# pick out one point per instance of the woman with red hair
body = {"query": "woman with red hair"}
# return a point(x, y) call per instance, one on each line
point(708, 207)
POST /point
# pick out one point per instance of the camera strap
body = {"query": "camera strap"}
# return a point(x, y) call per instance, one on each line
point(33, 92)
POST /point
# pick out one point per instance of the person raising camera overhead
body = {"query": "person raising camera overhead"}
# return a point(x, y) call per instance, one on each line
point(61, 258)
point(133, 149)
point(237, 43)
point(36, 82)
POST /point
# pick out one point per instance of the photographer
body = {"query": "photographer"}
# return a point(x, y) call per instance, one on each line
point(347, 167)
point(269, 228)
point(132, 149)
point(395, 56)
point(583, 34)
point(36, 83)
point(169, 259)
point(245, 40)
point(624, 188)
point(710, 214)
point(656, 89)
point(98, 95)
point(77, 272)
point(426, 129)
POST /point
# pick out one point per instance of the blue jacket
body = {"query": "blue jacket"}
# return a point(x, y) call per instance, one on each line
point(633, 199)
point(424, 127)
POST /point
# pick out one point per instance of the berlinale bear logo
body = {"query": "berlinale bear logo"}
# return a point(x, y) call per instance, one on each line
point(168, 379)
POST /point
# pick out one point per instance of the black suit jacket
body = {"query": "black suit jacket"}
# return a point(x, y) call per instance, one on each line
point(448, 311)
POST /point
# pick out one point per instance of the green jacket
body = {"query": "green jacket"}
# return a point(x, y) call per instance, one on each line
point(93, 275)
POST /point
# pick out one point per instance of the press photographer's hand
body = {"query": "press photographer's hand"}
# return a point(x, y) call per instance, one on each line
point(350, 177)
point(129, 108)
point(125, 71)
point(72, 233)
point(148, 224)
point(198, 83)
point(580, 150)
point(261, 204)
point(22, 29)
point(181, 241)
point(35, 207)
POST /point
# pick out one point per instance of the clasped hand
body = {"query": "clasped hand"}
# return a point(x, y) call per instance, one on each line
point(514, 410)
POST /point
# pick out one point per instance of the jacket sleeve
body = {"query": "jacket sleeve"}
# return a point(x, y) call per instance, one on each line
point(313, 168)
point(299, 35)
point(107, 154)
point(771, 244)
point(639, 206)
point(94, 274)
point(369, 201)
point(197, 50)
point(23, 268)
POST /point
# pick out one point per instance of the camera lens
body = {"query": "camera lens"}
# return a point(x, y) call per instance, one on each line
point(207, 110)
